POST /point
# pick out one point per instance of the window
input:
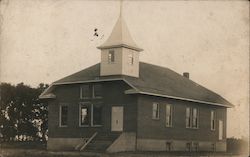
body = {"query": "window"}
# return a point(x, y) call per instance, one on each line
point(84, 115)
point(111, 56)
point(195, 146)
point(97, 91)
point(213, 147)
point(168, 146)
point(97, 114)
point(195, 118)
point(188, 117)
point(90, 115)
point(188, 146)
point(63, 116)
point(191, 117)
point(212, 120)
point(168, 115)
point(155, 111)
point(85, 92)
point(131, 59)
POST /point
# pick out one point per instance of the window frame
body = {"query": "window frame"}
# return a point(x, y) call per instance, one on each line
point(88, 105)
point(195, 146)
point(158, 111)
point(213, 147)
point(131, 58)
point(171, 116)
point(93, 91)
point(213, 120)
point(60, 115)
point(81, 91)
point(188, 146)
point(92, 115)
point(170, 144)
point(197, 117)
point(111, 56)
point(189, 118)
point(91, 112)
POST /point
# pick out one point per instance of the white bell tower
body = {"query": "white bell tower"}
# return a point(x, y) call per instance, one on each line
point(120, 54)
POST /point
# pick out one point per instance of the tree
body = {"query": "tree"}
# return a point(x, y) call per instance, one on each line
point(42, 112)
point(21, 112)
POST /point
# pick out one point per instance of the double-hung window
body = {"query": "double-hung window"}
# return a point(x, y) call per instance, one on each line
point(168, 115)
point(155, 111)
point(195, 118)
point(84, 112)
point(188, 117)
point(212, 120)
point(90, 114)
point(192, 117)
point(63, 116)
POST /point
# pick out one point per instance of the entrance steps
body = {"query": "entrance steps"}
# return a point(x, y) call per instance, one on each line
point(100, 142)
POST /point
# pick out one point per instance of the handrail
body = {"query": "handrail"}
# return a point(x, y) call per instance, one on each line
point(89, 140)
point(84, 140)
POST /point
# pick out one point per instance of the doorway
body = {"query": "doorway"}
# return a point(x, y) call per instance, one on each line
point(117, 118)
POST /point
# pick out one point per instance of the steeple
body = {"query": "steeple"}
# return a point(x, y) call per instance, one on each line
point(120, 36)
point(119, 53)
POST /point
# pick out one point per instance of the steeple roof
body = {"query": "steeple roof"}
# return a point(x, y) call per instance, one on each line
point(120, 37)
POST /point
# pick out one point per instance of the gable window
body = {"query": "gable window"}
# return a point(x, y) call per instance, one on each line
point(188, 117)
point(131, 59)
point(111, 56)
point(97, 91)
point(84, 115)
point(63, 121)
point(212, 120)
point(195, 118)
point(85, 92)
point(155, 111)
point(168, 115)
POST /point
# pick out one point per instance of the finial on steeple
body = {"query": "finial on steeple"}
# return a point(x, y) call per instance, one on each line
point(121, 7)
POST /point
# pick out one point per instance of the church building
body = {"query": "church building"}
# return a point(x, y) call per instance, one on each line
point(122, 104)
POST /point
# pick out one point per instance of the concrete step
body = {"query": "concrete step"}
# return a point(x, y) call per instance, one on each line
point(101, 142)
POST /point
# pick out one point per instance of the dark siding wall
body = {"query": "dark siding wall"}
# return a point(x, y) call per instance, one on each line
point(156, 129)
point(113, 95)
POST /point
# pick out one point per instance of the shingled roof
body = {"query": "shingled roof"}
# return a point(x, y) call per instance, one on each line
point(153, 80)
point(120, 36)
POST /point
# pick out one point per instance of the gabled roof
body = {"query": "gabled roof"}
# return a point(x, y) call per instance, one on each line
point(120, 36)
point(153, 80)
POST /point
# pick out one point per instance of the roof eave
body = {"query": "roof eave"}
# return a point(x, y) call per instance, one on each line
point(178, 98)
point(47, 97)
point(120, 45)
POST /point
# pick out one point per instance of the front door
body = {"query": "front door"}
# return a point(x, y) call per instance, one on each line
point(117, 118)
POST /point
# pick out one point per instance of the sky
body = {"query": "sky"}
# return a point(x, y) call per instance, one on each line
point(45, 40)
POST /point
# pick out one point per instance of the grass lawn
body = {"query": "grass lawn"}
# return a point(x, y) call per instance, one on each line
point(38, 149)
